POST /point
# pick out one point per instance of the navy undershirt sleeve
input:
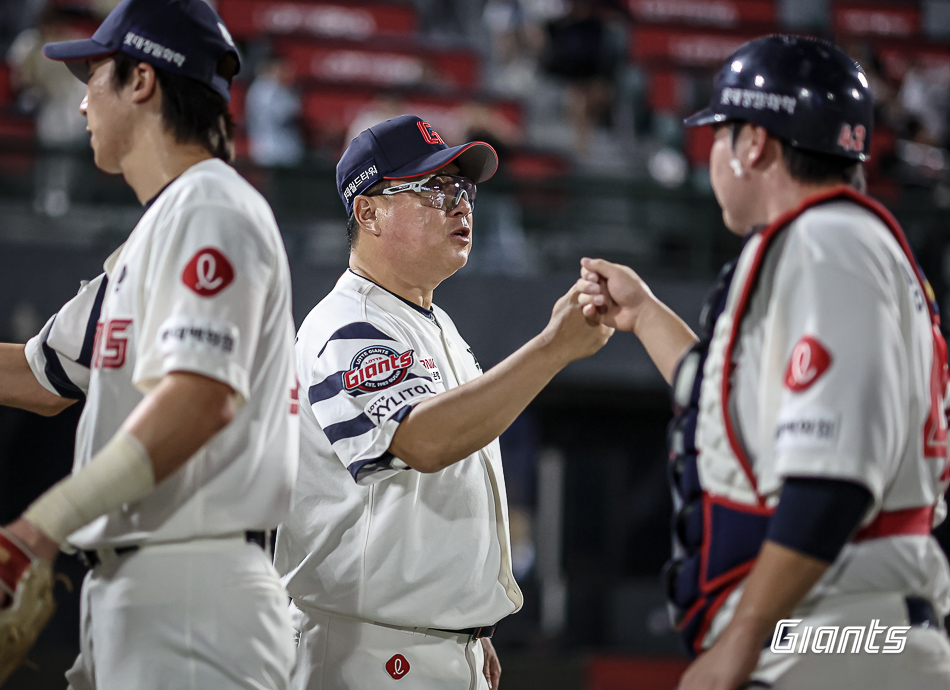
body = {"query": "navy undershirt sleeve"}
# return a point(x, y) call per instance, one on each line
point(817, 516)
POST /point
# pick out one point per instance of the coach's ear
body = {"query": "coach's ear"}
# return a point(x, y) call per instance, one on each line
point(142, 82)
point(365, 211)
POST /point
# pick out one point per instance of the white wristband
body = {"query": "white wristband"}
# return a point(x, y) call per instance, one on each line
point(120, 473)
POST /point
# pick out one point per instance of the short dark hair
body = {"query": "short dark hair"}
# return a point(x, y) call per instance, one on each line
point(352, 225)
point(191, 111)
point(812, 167)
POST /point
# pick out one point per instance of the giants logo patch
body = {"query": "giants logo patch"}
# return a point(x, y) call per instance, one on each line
point(208, 272)
point(429, 134)
point(397, 667)
point(808, 362)
point(377, 367)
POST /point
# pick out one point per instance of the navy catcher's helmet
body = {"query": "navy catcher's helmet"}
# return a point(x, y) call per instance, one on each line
point(803, 90)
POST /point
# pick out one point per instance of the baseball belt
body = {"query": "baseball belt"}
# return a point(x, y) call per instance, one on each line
point(476, 633)
point(90, 557)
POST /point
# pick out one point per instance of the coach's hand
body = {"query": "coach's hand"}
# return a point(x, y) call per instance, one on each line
point(619, 298)
point(614, 293)
point(573, 334)
point(26, 590)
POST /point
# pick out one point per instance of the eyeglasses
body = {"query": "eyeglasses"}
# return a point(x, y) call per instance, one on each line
point(439, 191)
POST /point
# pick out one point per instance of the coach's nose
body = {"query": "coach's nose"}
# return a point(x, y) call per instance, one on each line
point(84, 105)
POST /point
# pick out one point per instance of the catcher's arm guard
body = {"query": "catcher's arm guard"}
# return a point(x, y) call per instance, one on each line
point(28, 583)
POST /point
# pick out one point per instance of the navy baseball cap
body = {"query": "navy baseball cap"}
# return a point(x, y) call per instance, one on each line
point(404, 147)
point(183, 37)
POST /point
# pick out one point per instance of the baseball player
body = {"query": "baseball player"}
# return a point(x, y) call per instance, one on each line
point(397, 553)
point(187, 447)
point(809, 448)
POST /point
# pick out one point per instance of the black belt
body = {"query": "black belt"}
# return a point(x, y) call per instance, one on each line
point(90, 558)
point(476, 633)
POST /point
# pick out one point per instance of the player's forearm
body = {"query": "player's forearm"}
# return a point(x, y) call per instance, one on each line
point(182, 413)
point(779, 581)
point(19, 387)
point(665, 336)
point(471, 416)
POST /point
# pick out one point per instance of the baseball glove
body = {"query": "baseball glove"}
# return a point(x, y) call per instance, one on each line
point(27, 583)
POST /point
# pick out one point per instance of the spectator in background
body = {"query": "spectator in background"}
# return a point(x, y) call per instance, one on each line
point(582, 49)
point(47, 89)
point(517, 39)
point(925, 97)
point(273, 111)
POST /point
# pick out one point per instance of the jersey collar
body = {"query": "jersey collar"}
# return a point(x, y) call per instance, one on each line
point(428, 313)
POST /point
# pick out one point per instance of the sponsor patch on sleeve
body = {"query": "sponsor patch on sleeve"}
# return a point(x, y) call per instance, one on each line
point(386, 405)
point(817, 430)
point(208, 273)
point(808, 362)
point(179, 334)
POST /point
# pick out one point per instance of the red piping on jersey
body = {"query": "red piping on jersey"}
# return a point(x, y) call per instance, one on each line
point(768, 234)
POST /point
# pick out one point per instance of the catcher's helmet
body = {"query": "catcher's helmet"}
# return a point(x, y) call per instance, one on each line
point(803, 90)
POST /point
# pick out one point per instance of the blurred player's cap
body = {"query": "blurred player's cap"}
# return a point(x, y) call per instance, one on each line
point(803, 90)
point(404, 147)
point(183, 37)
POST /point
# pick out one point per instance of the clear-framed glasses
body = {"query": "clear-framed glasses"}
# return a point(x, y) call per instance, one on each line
point(439, 191)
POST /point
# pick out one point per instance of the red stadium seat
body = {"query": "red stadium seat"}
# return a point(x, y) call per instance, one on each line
point(893, 20)
point(346, 20)
point(684, 47)
point(392, 67)
point(719, 14)
point(6, 88)
point(699, 141)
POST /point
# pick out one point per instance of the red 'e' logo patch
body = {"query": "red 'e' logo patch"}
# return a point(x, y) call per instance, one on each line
point(808, 362)
point(208, 272)
point(397, 667)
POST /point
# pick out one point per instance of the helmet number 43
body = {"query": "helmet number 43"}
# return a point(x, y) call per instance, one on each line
point(852, 139)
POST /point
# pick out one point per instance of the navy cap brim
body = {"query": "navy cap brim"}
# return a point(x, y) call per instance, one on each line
point(706, 116)
point(76, 53)
point(476, 160)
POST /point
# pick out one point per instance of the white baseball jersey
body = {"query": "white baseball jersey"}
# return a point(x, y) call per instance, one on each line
point(201, 285)
point(368, 537)
point(834, 375)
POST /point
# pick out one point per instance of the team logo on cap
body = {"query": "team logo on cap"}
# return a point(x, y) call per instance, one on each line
point(808, 362)
point(208, 272)
point(377, 367)
point(398, 666)
point(429, 134)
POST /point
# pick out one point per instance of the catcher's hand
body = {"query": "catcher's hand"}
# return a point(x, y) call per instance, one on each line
point(26, 597)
